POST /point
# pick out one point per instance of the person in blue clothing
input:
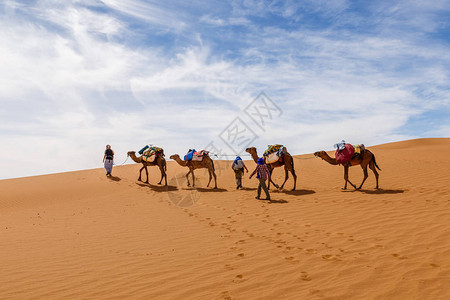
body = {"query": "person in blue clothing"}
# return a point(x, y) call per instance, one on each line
point(108, 160)
point(238, 167)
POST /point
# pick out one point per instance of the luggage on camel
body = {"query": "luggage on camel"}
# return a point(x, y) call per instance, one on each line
point(272, 149)
point(358, 149)
point(143, 149)
point(149, 153)
point(149, 156)
point(273, 153)
point(195, 155)
point(272, 157)
point(345, 152)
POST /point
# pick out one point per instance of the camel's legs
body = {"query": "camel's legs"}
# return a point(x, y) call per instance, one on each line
point(162, 173)
point(210, 176)
point(193, 178)
point(268, 184)
point(140, 173)
point(346, 178)
point(146, 172)
point(372, 167)
point(286, 176)
point(365, 175)
point(187, 177)
point(215, 179)
point(295, 178)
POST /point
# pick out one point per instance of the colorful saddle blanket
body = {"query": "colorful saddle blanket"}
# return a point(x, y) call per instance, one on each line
point(149, 153)
point(345, 154)
point(348, 152)
point(272, 149)
point(195, 155)
point(274, 153)
point(147, 149)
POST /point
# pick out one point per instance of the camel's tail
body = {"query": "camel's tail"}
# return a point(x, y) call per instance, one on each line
point(212, 162)
point(165, 165)
point(375, 162)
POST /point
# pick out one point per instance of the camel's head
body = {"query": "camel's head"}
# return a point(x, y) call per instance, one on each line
point(174, 156)
point(131, 152)
point(320, 154)
point(251, 150)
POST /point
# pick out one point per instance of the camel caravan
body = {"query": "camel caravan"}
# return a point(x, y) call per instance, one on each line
point(273, 157)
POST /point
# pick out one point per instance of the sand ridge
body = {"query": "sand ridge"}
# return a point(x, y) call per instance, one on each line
point(83, 235)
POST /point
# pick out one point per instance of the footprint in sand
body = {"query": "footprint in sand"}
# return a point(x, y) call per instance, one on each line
point(327, 256)
point(434, 265)
point(241, 255)
point(305, 276)
point(226, 296)
point(398, 256)
point(239, 278)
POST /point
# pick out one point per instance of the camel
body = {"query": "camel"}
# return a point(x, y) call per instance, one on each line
point(366, 158)
point(159, 161)
point(287, 162)
point(206, 162)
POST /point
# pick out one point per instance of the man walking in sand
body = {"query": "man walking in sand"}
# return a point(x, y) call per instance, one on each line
point(108, 160)
point(238, 166)
point(262, 173)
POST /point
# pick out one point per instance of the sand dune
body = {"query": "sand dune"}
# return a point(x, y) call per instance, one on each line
point(83, 235)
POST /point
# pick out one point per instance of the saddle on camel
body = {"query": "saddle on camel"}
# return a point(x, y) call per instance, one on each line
point(195, 155)
point(274, 153)
point(345, 152)
point(149, 153)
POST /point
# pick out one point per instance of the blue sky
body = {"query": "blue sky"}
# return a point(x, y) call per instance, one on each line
point(76, 75)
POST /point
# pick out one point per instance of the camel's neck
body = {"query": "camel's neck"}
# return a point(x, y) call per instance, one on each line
point(135, 159)
point(255, 156)
point(180, 162)
point(330, 160)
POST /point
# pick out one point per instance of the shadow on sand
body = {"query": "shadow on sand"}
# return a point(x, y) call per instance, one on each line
point(247, 189)
point(277, 201)
point(295, 192)
point(381, 191)
point(218, 190)
point(159, 188)
point(114, 178)
point(374, 192)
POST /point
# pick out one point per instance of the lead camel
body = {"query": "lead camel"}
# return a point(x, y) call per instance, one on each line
point(365, 159)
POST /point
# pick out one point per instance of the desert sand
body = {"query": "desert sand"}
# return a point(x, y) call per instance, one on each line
point(83, 235)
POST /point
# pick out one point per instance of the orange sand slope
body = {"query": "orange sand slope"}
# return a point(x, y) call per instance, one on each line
point(83, 235)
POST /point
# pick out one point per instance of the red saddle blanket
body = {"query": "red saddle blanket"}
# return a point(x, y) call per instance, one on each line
point(344, 155)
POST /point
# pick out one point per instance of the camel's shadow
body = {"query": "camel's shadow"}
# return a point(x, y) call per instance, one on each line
point(295, 192)
point(159, 188)
point(374, 191)
point(381, 191)
point(210, 190)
